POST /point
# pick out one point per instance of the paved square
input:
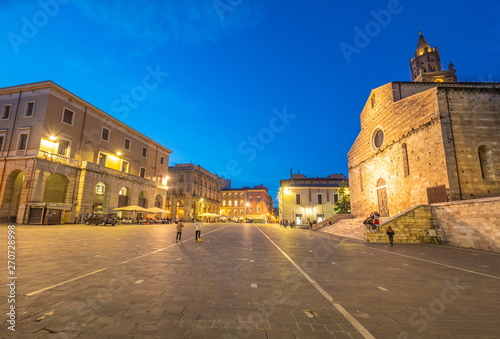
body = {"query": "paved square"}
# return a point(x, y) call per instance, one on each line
point(244, 281)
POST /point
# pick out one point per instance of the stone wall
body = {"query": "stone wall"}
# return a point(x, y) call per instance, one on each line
point(331, 220)
point(473, 224)
point(412, 122)
point(409, 227)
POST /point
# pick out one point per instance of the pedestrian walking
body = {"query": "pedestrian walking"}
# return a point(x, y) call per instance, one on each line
point(179, 227)
point(197, 230)
point(390, 233)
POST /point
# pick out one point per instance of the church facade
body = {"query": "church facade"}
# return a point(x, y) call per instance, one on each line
point(427, 141)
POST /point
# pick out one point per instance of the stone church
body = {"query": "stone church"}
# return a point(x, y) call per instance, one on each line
point(427, 141)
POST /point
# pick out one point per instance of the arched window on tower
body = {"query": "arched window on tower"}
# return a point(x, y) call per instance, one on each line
point(406, 165)
point(485, 162)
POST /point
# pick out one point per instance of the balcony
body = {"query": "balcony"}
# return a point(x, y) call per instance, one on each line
point(58, 158)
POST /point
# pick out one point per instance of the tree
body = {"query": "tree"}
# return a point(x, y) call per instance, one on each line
point(343, 205)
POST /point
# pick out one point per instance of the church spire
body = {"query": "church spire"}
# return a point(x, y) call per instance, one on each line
point(422, 45)
point(426, 64)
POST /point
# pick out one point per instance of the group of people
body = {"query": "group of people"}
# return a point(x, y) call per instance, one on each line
point(286, 223)
point(197, 231)
point(373, 225)
point(372, 222)
point(146, 220)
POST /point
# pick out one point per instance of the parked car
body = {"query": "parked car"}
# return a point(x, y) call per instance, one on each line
point(102, 219)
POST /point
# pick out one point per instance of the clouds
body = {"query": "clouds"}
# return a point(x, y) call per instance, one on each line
point(150, 24)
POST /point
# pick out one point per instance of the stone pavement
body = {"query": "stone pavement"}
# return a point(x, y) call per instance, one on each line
point(244, 281)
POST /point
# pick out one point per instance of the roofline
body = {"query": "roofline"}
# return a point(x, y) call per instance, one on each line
point(51, 84)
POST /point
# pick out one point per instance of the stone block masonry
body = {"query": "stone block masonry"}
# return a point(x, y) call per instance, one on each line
point(473, 223)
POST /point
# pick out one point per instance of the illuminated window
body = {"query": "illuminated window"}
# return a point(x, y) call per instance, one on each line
point(125, 166)
point(230, 203)
point(235, 203)
point(63, 148)
point(102, 159)
point(224, 203)
point(258, 209)
point(100, 189)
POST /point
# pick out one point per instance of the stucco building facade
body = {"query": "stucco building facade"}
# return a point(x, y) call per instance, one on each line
point(193, 191)
point(425, 142)
point(302, 199)
point(247, 203)
point(62, 159)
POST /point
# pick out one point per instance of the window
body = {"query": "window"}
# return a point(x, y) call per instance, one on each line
point(320, 199)
point(30, 108)
point(125, 166)
point(297, 199)
point(241, 211)
point(335, 198)
point(241, 203)
point(126, 144)
point(258, 209)
point(320, 217)
point(105, 134)
point(162, 160)
point(406, 166)
point(63, 148)
point(250, 210)
point(377, 139)
point(235, 212)
point(101, 161)
point(250, 200)
point(486, 162)
point(68, 116)
point(100, 189)
point(230, 203)
point(236, 203)
point(142, 172)
point(223, 194)
point(23, 141)
point(6, 112)
point(144, 152)
point(2, 138)
point(258, 200)
point(224, 203)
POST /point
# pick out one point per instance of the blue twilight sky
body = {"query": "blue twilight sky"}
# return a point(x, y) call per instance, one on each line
point(247, 89)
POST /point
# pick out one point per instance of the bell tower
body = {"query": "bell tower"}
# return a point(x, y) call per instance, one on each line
point(426, 64)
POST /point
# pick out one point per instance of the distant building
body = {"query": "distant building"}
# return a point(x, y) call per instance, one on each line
point(194, 191)
point(246, 203)
point(62, 159)
point(426, 142)
point(302, 199)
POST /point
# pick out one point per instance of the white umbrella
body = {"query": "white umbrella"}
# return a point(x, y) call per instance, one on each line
point(157, 210)
point(131, 208)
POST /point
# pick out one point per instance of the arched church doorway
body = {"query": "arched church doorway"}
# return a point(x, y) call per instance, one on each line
point(383, 205)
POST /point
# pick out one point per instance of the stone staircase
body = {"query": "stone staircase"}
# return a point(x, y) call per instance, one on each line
point(409, 226)
point(349, 228)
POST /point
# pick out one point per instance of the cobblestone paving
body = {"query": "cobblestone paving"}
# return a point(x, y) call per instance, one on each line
point(131, 281)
